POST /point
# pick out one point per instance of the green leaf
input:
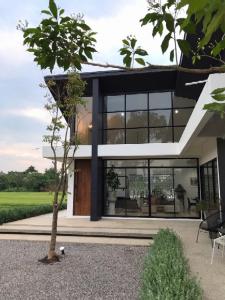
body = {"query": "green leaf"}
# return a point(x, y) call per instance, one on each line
point(88, 53)
point(165, 42)
point(149, 18)
point(218, 91)
point(125, 51)
point(47, 12)
point(127, 61)
point(61, 12)
point(218, 97)
point(125, 42)
point(141, 52)
point(29, 31)
point(84, 26)
point(184, 47)
point(213, 26)
point(171, 55)
point(140, 61)
point(215, 107)
point(133, 42)
point(53, 8)
point(169, 22)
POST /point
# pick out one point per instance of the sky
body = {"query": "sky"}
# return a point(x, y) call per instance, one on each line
point(23, 119)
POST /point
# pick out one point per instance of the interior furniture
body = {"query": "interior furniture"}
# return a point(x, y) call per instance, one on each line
point(220, 241)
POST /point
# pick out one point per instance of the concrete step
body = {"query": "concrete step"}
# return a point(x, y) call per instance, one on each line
point(86, 232)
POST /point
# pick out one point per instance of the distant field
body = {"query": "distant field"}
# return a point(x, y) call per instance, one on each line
point(21, 199)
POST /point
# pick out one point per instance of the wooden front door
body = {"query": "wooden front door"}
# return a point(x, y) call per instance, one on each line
point(82, 186)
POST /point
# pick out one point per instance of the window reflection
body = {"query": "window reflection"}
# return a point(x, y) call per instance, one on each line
point(115, 136)
point(161, 135)
point(115, 103)
point(137, 136)
point(137, 102)
point(136, 119)
point(181, 116)
point(115, 120)
point(84, 122)
point(160, 118)
point(160, 100)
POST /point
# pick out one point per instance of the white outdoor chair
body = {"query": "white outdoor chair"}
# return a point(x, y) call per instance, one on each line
point(219, 241)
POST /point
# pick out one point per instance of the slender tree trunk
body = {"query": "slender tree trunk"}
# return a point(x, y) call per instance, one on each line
point(51, 252)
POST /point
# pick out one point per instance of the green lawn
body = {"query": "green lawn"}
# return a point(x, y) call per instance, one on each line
point(24, 199)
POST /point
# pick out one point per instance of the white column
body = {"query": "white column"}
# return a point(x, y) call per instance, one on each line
point(70, 191)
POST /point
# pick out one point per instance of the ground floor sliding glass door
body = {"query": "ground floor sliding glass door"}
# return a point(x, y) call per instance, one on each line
point(151, 188)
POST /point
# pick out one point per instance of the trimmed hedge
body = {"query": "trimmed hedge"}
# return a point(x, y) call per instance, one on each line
point(166, 274)
point(19, 213)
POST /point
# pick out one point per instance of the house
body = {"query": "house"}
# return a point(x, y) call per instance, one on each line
point(148, 132)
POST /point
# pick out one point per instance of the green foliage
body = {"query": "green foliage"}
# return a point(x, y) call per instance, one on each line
point(131, 52)
point(218, 106)
point(112, 179)
point(166, 273)
point(19, 213)
point(59, 40)
point(29, 180)
point(166, 21)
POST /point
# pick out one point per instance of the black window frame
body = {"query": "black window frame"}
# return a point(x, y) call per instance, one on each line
point(149, 167)
point(148, 110)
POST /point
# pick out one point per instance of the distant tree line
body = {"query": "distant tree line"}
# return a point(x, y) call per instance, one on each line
point(29, 180)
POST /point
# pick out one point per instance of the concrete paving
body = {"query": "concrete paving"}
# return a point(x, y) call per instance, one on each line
point(212, 277)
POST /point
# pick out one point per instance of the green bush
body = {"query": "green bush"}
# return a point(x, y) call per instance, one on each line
point(18, 213)
point(166, 274)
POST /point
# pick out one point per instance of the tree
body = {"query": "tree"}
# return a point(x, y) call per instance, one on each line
point(63, 41)
point(30, 169)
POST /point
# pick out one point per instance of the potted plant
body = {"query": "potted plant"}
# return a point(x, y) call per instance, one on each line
point(112, 180)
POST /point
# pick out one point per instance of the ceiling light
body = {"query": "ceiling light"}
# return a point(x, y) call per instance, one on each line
point(90, 126)
point(122, 114)
point(176, 111)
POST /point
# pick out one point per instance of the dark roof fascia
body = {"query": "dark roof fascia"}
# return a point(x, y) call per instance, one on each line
point(100, 74)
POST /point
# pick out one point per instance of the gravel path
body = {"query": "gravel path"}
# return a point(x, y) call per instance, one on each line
point(87, 272)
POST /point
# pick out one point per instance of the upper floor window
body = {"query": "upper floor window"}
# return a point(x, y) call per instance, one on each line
point(83, 122)
point(145, 118)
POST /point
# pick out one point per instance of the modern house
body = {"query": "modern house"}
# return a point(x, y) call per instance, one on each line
point(149, 132)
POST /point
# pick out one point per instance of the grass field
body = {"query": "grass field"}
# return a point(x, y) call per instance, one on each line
point(24, 199)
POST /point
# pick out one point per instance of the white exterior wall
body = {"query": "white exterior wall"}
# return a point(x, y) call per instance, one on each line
point(209, 151)
point(70, 191)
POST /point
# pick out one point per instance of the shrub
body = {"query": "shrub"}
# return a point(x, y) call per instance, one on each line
point(18, 213)
point(166, 274)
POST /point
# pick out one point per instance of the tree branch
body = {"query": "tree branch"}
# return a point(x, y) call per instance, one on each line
point(210, 70)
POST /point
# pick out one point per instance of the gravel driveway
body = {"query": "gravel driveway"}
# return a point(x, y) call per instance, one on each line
point(87, 272)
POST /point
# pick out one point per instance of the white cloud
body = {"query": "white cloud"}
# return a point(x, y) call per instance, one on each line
point(39, 114)
point(19, 156)
point(12, 51)
point(111, 30)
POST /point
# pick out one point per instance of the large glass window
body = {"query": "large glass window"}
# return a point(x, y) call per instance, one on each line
point(83, 122)
point(157, 188)
point(209, 185)
point(146, 118)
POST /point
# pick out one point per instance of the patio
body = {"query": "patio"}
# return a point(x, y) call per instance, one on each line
point(135, 230)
